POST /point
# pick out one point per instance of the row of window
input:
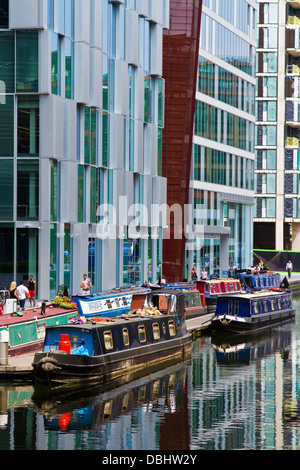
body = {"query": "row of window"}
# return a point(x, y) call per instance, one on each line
point(228, 88)
point(236, 12)
point(215, 166)
point(226, 45)
point(220, 126)
point(108, 337)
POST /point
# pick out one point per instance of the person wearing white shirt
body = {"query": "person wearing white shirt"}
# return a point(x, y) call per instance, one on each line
point(21, 293)
point(289, 267)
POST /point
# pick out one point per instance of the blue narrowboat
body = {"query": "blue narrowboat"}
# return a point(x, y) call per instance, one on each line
point(103, 350)
point(265, 280)
point(250, 312)
point(110, 303)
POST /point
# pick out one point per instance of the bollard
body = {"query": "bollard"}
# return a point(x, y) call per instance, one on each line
point(4, 337)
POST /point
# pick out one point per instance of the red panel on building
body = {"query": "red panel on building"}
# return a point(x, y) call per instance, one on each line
point(180, 64)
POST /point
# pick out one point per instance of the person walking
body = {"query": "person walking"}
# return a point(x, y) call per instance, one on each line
point(13, 291)
point(289, 268)
point(203, 274)
point(85, 285)
point(31, 285)
point(21, 293)
point(194, 275)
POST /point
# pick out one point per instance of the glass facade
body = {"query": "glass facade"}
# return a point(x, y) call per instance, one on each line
point(224, 140)
point(277, 126)
point(70, 147)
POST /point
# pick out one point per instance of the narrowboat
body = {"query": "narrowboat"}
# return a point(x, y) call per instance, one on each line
point(26, 330)
point(264, 280)
point(195, 302)
point(110, 303)
point(105, 349)
point(212, 289)
point(251, 312)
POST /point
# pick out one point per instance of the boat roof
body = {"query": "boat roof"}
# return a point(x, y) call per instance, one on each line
point(111, 321)
point(112, 293)
point(255, 294)
point(30, 315)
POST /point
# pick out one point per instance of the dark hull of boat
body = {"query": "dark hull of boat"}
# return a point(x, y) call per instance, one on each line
point(195, 312)
point(211, 303)
point(225, 324)
point(57, 369)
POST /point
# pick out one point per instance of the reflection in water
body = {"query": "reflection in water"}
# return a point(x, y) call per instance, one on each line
point(232, 395)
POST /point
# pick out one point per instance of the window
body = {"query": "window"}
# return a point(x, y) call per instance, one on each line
point(55, 64)
point(4, 24)
point(28, 190)
point(108, 340)
point(142, 333)
point(27, 54)
point(125, 337)
point(69, 64)
point(172, 329)
point(7, 189)
point(156, 331)
point(81, 194)
point(28, 126)
point(54, 190)
point(7, 126)
point(7, 62)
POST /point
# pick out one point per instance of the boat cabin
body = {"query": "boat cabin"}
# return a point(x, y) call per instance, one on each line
point(248, 305)
point(268, 280)
point(217, 287)
point(160, 319)
point(110, 303)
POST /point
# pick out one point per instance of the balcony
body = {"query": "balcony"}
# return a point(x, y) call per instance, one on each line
point(294, 4)
point(293, 38)
point(292, 142)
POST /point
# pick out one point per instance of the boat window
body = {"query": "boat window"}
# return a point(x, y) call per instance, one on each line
point(279, 303)
point(231, 286)
point(172, 329)
point(142, 333)
point(272, 304)
point(164, 329)
point(265, 306)
point(117, 302)
point(125, 337)
point(236, 308)
point(226, 287)
point(124, 300)
point(108, 341)
point(230, 307)
point(41, 330)
point(255, 307)
point(156, 331)
point(213, 288)
point(108, 303)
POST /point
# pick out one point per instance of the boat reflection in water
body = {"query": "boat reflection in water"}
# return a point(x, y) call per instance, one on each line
point(248, 349)
point(163, 392)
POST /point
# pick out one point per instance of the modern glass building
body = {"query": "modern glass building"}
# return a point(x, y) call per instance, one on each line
point(222, 177)
point(277, 209)
point(81, 116)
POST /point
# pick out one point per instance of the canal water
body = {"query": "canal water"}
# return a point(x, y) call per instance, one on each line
point(229, 396)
